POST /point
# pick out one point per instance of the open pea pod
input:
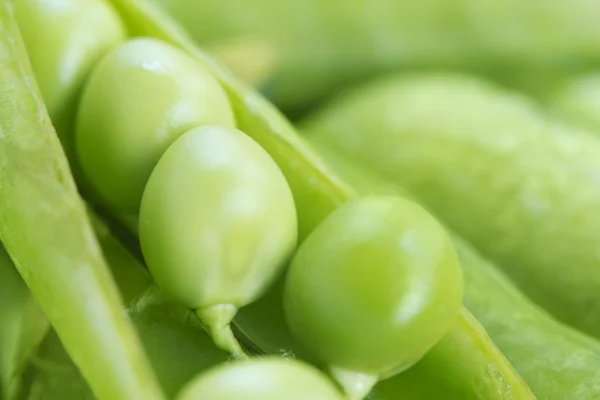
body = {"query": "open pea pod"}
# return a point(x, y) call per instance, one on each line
point(317, 192)
point(46, 232)
point(23, 327)
point(177, 346)
point(556, 361)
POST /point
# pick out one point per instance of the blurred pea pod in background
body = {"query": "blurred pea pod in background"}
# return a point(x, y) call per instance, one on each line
point(298, 52)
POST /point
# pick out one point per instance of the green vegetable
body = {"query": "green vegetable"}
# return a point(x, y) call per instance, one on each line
point(63, 45)
point(463, 355)
point(522, 189)
point(373, 289)
point(557, 362)
point(46, 232)
point(23, 327)
point(139, 99)
point(217, 224)
point(261, 379)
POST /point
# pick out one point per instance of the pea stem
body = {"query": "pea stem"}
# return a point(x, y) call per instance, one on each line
point(218, 320)
point(356, 385)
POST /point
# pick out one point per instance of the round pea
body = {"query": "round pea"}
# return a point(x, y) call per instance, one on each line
point(261, 379)
point(373, 287)
point(217, 222)
point(140, 98)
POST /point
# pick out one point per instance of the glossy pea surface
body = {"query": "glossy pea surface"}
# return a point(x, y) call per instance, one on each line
point(261, 379)
point(65, 39)
point(141, 97)
point(217, 220)
point(374, 287)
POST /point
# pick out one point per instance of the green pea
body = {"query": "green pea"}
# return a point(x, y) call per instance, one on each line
point(372, 289)
point(217, 223)
point(261, 379)
point(64, 44)
point(140, 98)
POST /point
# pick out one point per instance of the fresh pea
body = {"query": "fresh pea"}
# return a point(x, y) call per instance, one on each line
point(139, 99)
point(261, 379)
point(46, 232)
point(217, 223)
point(63, 43)
point(520, 187)
point(372, 289)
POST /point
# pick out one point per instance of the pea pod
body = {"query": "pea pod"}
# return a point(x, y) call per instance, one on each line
point(45, 230)
point(384, 270)
point(316, 193)
point(301, 52)
point(519, 187)
point(556, 361)
point(145, 77)
point(217, 224)
point(63, 45)
point(272, 379)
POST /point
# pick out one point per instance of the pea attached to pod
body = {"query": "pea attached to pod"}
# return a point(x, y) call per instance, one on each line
point(139, 99)
point(372, 289)
point(261, 379)
point(217, 223)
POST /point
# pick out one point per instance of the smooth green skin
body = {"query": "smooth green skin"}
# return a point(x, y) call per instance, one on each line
point(261, 379)
point(23, 327)
point(63, 45)
point(578, 102)
point(519, 187)
point(460, 366)
point(140, 98)
point(217, 220)
point(374, 287)
point(45, 229)
point(558, 362)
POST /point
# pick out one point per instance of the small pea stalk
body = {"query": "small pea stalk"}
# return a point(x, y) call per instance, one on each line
point(218, 321)
point(356, 385)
